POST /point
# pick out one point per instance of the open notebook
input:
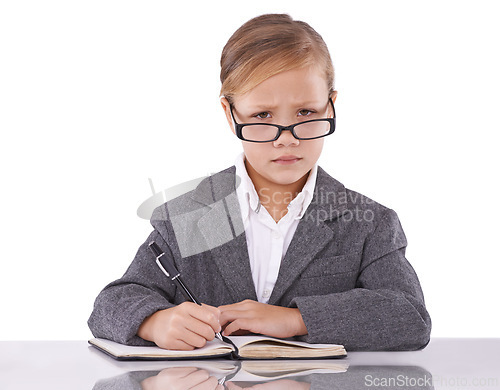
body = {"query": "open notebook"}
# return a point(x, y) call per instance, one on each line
point(244, 347)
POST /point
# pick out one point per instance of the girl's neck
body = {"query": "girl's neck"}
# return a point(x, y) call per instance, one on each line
point(275, 197)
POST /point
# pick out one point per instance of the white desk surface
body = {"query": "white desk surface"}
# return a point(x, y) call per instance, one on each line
point(450, 363)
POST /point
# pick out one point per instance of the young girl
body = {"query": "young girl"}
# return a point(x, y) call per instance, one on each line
point(273, 244)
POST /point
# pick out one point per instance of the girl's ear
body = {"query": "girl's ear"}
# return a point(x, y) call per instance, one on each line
point(227, 111)
point(333, 96)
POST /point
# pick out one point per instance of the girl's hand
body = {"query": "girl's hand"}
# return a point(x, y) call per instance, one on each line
point(184, 327)
point(256, 317)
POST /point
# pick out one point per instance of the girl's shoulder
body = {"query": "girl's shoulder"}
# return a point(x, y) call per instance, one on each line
point(333, 202)
point(218, 190)
point(329, 190)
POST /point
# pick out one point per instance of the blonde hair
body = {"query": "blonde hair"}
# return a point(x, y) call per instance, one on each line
point(267, 45)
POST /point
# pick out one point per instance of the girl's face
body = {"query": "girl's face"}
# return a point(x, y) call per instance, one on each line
point(286, 98)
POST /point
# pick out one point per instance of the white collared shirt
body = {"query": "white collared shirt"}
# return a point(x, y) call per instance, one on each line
point(268, 240)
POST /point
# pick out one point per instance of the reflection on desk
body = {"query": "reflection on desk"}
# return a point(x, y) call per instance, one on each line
point(443, 364)
point(301, 375)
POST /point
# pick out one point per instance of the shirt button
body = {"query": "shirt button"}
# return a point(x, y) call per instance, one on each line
point(266, 294)
point(276, 234)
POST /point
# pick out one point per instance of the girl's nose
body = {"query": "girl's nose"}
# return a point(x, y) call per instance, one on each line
point(286, 138)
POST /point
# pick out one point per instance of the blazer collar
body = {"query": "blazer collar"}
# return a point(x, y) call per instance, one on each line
point(216, 187)
point(329, 196)
point(218, 192)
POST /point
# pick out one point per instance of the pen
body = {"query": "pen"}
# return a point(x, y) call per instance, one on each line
point(168, 268)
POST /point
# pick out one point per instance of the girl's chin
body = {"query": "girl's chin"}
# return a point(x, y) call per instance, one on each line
point(285, 178)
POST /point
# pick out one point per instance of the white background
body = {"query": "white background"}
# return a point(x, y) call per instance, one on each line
point(96, 97)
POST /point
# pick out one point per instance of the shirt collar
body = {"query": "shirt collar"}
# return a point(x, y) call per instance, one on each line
point(301, 202)
point(249, 200)
point(247, 195)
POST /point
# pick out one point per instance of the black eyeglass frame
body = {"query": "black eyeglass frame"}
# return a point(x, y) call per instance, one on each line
point(239, 126)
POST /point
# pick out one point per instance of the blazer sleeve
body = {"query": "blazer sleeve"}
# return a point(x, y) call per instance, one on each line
point(122, 306)
point(386, 310)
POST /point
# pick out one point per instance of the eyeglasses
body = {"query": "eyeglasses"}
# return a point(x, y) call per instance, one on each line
point(267, 132)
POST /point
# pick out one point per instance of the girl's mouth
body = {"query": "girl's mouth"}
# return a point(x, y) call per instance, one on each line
point(286, 160)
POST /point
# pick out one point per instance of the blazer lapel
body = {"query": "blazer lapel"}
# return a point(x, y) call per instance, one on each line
point(229, 250)
point(234, 265)
point(224, 233)
point(312, 234)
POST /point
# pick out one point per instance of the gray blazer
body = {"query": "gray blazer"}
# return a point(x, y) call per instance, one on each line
point(345, 269)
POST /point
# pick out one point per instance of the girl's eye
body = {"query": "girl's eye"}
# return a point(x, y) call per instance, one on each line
point(263, 115)
point(305, 112)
